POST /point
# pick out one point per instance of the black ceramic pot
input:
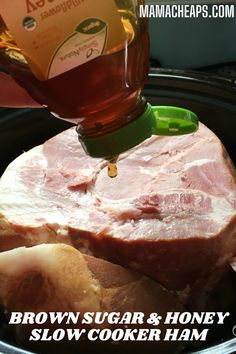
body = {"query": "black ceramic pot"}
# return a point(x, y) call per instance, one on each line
point(212, 98)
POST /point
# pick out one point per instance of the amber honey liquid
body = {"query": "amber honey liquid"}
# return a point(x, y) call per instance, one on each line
point(93, 93)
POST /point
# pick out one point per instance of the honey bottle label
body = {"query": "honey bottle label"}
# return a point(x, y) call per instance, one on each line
point(56, 36)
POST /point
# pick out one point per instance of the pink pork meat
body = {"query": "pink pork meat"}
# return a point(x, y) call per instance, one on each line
point(170, 213)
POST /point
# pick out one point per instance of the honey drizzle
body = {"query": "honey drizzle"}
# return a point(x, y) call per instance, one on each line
point(112, 169)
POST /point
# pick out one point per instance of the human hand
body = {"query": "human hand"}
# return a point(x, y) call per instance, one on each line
point(13, 95)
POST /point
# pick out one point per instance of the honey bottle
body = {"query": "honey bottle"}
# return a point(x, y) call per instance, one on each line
point(87, 62)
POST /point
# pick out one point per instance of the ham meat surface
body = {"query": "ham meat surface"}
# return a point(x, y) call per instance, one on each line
point(170, 213)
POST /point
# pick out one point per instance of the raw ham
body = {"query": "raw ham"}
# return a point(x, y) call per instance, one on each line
point(170, 213)
point(57, 280)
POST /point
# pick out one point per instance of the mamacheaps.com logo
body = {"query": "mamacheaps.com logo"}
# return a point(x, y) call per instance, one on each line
point(187, 11)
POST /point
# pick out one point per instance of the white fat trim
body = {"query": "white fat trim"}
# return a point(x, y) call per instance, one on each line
point(9, 177)
point(151, 172)
point(222, 211)
point(197, 163)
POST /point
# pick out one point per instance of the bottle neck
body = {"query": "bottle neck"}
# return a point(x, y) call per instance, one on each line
point(97, 128)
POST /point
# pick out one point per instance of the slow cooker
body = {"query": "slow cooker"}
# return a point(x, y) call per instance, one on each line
point(197, 71)
point(211, 96)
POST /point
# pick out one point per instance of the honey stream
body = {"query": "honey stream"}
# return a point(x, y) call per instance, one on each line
point(112, 169)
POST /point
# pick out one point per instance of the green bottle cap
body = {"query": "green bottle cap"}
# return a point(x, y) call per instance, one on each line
point(156, 120)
